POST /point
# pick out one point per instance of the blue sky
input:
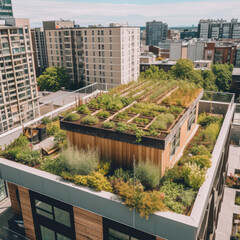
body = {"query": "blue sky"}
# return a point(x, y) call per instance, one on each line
point(135, 12)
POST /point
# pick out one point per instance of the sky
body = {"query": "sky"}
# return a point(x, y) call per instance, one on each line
point(135, 12)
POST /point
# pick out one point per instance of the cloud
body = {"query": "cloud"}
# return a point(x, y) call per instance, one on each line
point(175, 14)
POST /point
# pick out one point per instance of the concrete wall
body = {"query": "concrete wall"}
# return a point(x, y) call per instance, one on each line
point(175, 50)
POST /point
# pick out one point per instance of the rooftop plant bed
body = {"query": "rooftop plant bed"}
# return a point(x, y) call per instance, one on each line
point(146, 108)
point(148, 192)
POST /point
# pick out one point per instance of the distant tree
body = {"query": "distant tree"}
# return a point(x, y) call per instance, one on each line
point(183, 69)
point(209, 80)
point(53, 79)
point(154, 73)
point(223, 74)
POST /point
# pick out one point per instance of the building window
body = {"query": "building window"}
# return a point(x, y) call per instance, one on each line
point(175, 144)
point(52, 219)
point(3, 191)
point(113, 230)
point(191, 119)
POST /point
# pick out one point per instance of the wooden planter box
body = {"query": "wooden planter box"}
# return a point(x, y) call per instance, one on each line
point(112, 134)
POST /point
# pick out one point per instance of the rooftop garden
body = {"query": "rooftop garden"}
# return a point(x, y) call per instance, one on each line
point(148, 108)
point(146, 190)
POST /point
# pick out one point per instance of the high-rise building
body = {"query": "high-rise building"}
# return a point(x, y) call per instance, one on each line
point(18, 87)
point(6, 9)
point(40, 50)
point(219, 29)
point(237, 59)
point(156, 31)
point(96, 54)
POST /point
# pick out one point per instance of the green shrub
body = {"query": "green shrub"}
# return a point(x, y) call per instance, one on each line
point(133, 196)
point(13, 152)
point(211, 132)
point(193, 175)
point(68, 176)
point(72, 117)
point(95, 180)
point(46, 120)
point(152, 133)
point(148, 174)
point(121, 174)
point(52, 129)
point(27, 156)
point(143, 121)
point(188, 197)
point(109, 125)
point(21, 141)
point(104, 167)
point(55, 119)
point(90, 120)
point(122, 115)
point(203, 161)
point(200, 150)
point(104, 114)
point(237, 235)
point(121, 127)
point(169, 117)
point(159, 124)
point(175, 109)
point(80, 162)
point(139, 134)
point(177, 197)
point(115, 105)
point(60, 139)
point(205, 119)
point(55, 166)
point(173, 174)
point(94, 104)
point(132, 127)
point(237, 200)
point(83, 109)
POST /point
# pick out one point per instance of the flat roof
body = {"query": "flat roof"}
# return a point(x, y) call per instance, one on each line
point(160, 63)
point(236, 72)
point(60, 98)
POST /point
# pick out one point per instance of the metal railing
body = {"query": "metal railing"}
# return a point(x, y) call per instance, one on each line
point(7, 234)
point(218, 97)
point(41, 110)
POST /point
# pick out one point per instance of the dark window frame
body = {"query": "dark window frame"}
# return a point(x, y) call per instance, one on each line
point(124, 229)
point(55, 226)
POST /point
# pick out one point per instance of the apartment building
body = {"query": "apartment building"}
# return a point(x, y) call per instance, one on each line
point(156, 31)
point(218, 29)
point(40, 50)
point(6, 9)
point(95, 54)
point(18, 87)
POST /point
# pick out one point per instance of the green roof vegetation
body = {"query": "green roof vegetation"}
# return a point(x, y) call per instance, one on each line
point(152, 105)
point(148, 192)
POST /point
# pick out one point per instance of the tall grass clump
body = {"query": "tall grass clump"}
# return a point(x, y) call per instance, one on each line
point(81, 162)
point(148, 174)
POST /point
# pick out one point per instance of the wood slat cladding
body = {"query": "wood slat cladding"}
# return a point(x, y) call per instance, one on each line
point(120, 153)
point(88, 226)
point(158, 238)
point(16, 208)
point(27, 213)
